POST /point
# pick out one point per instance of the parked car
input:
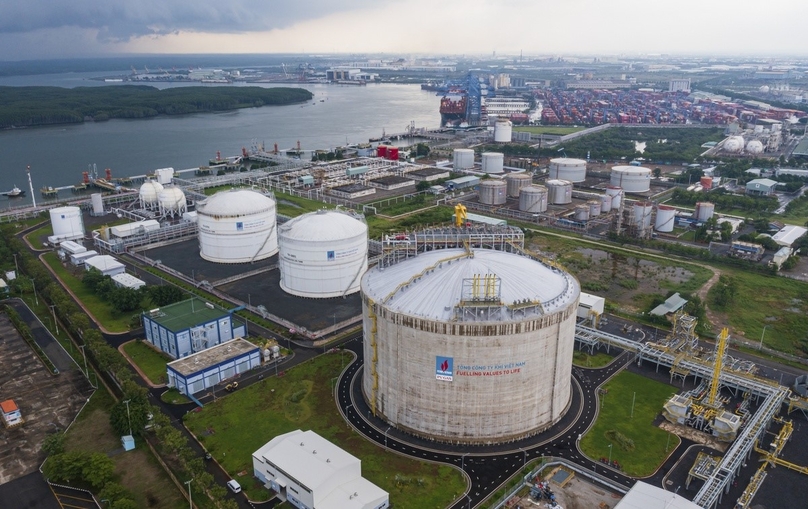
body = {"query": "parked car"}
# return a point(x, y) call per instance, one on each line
point(234, 486)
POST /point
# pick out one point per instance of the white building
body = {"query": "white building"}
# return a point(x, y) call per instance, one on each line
point(788, 235)
point(312, 473)
point(105, 264)
point(124, 280)
point(646, 496)
point(679, 85)
point(202, 370)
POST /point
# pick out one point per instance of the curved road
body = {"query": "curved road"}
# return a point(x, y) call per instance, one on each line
point(487, 467)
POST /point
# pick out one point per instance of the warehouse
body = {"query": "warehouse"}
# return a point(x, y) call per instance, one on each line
point(789, 235)
point(124, 280)
point(761, 187)
point(202, 370)
point(312, 473)
point(190, 326)
point(105, 264)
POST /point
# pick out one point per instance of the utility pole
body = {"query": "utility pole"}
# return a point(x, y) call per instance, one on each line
point(190, 498)
point(760, 346)
point(128, 418)
point(84, 354)
point(55, 323)
point(33, 285)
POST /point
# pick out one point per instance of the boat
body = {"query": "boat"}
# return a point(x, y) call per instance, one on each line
point(15, 192)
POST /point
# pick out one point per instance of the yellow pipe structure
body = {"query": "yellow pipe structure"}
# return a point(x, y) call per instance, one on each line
point(715, 383)
point(460, 215)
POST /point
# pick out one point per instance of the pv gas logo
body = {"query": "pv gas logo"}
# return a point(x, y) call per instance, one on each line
point(444, 368)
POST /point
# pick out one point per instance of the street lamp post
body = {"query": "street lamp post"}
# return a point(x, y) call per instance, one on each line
point(128, 418)
point(84, 354)
point(33, 285)
point(385, 437)
point(524, 458)
point(760, 346)
point(190, 497)
point(56, 324)
point(610, 454)
point(463, 462)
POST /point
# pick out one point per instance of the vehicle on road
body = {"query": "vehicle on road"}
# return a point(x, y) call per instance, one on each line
point(234, 486)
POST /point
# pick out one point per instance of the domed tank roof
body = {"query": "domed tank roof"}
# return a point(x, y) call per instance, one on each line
point(235, 203)
point(323, 226)
point(754, 147)
point(734, 144)
point(435, 281)
point(171, 197)
point(150, 190)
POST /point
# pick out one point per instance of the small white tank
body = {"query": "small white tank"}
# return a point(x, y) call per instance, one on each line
point(616, 192)
point(503, 131)
point(493, 192)
point(642, 215)
point(633, 179)
point(665, 218)
point(517, 181)
point(605, 203)
point(559, 191)
point(492, 162)
point(704, 211)
point(98, 204)
point(567, 168)
point(533, 199)
point(581, 213)
point(67, 222)
point(594, 208)
point(463, 159)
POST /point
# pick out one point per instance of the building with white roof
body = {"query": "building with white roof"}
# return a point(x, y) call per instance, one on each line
point(203, 370)
point(105, 264)
point(645, 496)
point(124, 280)
point(789, 235)
point(310, 472)
point(762, 187)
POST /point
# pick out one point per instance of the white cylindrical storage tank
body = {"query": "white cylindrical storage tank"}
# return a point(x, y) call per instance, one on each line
point(463, 159)
point(633, 179)
point(322, 254)
point(172, 201)
point(493, 192)
point(517, 181)
point(533, 199)
point(665, 218)
point(492, 162)
point(605, 203)
point(567, 168)
point(67, 222)
point(98, 204)
point(149, 194)
point(704, 211)
point(503, 131)
point(581, 213)
point(454, 311)
point(559, 191)
point(642, 215)
point(616, 192)
point(594, 208)
point(237, 226)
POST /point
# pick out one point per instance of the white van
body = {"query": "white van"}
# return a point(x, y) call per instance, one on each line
point(234, 486)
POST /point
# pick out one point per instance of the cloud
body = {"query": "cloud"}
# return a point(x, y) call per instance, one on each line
point(120, 20)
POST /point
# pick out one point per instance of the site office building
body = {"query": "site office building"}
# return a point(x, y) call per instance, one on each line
point(190, 326)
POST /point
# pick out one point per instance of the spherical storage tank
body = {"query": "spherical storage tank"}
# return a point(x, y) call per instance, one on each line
point(492, 162)
point(66, 222)
point(172, 201)
point(633, 179)
point(237, 226)
point(665, 218)
point(517, 181)
point(492, 192)
point(322, 254)
point(471, 347)
point(149, 194)
point(559, 191)
point(567, 168)
point(533, 199)
point(503, 131)
point(734, 144)
point(754, 147)
point(463, 158)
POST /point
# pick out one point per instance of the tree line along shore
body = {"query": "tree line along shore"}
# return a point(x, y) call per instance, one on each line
point(37, 106)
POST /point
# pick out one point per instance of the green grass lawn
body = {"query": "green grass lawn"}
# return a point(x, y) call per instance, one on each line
point(136, 470)
point(585, 360)
point(615, 419)
point(149, 360)
point(294, 206)
point(248, 418)
point(560, 131)
point(174, 397)
point(100, 309)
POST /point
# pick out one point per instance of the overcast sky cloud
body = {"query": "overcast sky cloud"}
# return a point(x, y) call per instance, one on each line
point(48, 28)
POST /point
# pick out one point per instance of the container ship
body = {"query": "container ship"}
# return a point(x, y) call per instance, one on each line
point(453, 109)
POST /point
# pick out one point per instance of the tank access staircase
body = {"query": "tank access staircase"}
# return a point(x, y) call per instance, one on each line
point(773, 393)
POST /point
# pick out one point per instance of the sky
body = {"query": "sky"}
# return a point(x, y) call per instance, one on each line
point(41, 29)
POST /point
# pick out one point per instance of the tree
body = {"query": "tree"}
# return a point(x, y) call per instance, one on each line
point(725, 291)
point(113, 491)
point(422, 185)
point(92, 278)
point(124, 503)
point(657, 172)
point(422, 150)
point(125, 299)
point(54, 443)
point(164, 295)
point(98, 470)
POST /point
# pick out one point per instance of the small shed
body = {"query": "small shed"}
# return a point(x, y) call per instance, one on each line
point(105, 264)
point(128, 442)
point(124, 280)
point(71, 248)
point(78, 258)
point(673, 304)
point(11, 413)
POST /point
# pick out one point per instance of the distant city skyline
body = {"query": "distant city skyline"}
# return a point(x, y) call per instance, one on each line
point(40, 29)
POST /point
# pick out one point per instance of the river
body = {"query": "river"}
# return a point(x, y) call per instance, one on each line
point(338, 114)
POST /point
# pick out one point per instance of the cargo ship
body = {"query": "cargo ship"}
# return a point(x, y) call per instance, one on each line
point(453, 110)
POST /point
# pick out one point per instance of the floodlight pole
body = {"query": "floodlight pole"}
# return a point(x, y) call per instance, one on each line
point(610, 454)
point(54, 318)
point(128, 418)
point(190, 497)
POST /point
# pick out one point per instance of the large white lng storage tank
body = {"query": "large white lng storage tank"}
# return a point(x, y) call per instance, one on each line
point(559, 191)
point(633, 179)
point(469, 346)
point(492, 192)
point(323, 254)
point(503, 131)
point(237, 226)
point(67, 223)
point(533, 199)
point(492, 162)
point(463, 159)
point(517, 181)
point(567, 168)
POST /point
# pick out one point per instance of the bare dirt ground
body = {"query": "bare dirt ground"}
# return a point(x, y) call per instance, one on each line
point(576, 493)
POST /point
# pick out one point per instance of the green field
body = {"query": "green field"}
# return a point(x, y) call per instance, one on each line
point(294, 206)
point(137, 470)
point(585, 360)
point(556, 130)
point(615, 421)
point(151, 362)
point(98, 307)
point(235, 426)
